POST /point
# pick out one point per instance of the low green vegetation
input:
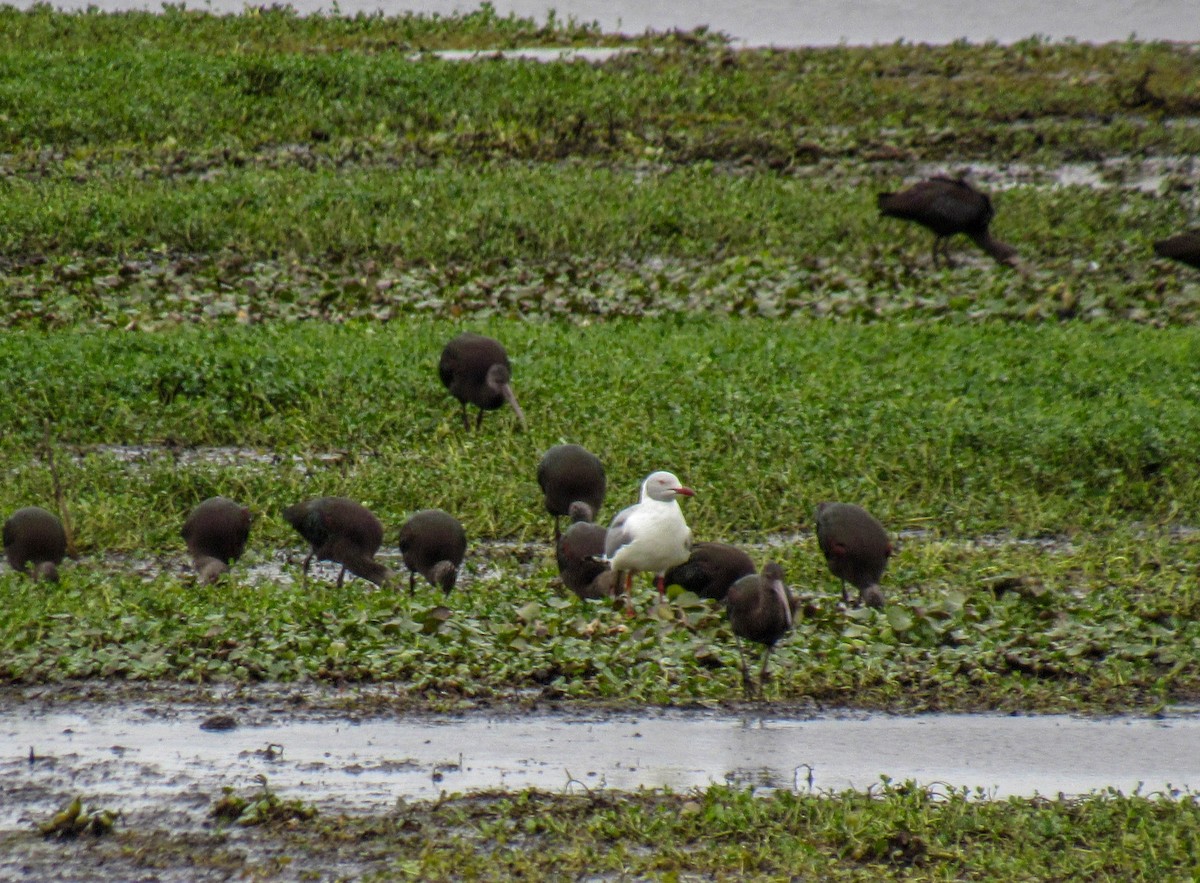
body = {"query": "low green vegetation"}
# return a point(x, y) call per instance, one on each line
point(897, 831)
point(234, 246)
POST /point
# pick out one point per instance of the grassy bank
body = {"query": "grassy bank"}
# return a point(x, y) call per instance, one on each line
point(899, 831)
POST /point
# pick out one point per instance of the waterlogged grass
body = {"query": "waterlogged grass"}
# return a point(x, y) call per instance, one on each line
point(500, 214)
point(965, 429)
point(898, 830)
point(1107, 623)
point(254, 233)
point(229, 84)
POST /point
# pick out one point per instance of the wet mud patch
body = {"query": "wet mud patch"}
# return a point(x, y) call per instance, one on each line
point(156, 760)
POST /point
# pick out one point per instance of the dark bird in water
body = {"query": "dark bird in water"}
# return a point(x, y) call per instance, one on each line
point(433, 544)
point(34, 536)
point(711, 569)
point(581, 564)
point(856, 548)
point(1182, 247)
point(342, 531)
point(216, 532)
point(762, 610)
point(573, 484)
point(947, 206)
point(476, 371)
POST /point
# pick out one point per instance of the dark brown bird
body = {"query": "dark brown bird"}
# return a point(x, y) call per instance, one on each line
point(856, 547)
point(581, 564)
point(476, 371)
point(342, 531)
point(947, 206)
point(762, 610)
point(573, 483)
point(433, 544)
point(34, 536)
point(216, 532)
point(1182, 247)
point(711, 569)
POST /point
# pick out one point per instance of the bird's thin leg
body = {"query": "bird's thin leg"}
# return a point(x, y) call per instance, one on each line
point(933, 253)
point(845, 594)
point(479, 420)
point(341, 576)
point(466, 419)
point(628, 580)
point(660, 583)
point(762, 672)
point(412, 583)
point(304, 570)
point(747, 686)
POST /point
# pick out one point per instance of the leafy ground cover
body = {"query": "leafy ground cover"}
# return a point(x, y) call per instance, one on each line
point(895, 832)
point(250, 235)
point(232, 247)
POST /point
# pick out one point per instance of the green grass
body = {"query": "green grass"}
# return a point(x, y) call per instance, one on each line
point(259, 230)
point(966, 429)
point(899, 831)
point(958, 431)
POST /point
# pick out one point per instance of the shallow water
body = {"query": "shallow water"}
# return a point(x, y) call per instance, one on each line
point(813, 23)
point(158, 760)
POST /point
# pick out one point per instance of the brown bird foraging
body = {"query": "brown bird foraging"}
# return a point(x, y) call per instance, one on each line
point(581, 564)
point(476, 371)
point(433, 544)
point(34, 536)
point(216, 532)
point(947, 206)
point(856, 548)
point(342, 531)
point(711, 569)
point(573, 483)
point(762, 610)
point(1182, 247)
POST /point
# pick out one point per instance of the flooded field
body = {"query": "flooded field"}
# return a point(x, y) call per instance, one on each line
point(172, 761)
point(776, 23)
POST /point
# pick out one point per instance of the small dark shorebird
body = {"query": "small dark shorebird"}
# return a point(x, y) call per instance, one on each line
point(711, 569)
point(476, 371)
point(856, 548)
point(573, 483)
point(947, 206)
point(342, 531)
point(581, 564)
point(216, 532)
point(1182, 247)
point(433, 544)
point(34, 536)
point(762, 610)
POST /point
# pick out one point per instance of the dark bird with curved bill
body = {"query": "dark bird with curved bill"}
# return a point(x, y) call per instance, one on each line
point(34, 536)
point(947, 206)
point(343, 531)
point(433, 543)
point(762, 610)
point(573, 484)
point(581, 564)
point(856, 548)
point(216, 532)
point(1182, 247)
point(476, 371)
point(711, 569)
